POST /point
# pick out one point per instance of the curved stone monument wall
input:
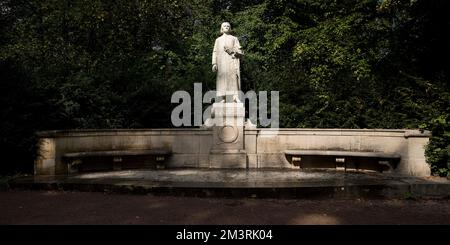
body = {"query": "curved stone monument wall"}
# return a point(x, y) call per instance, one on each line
point(264, 148)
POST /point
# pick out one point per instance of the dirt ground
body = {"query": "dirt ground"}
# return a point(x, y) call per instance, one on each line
point(57, 207)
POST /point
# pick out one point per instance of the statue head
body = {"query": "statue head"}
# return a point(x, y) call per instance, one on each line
point(225, 27)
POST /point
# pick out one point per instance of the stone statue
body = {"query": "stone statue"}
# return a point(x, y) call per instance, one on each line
point(225, 61)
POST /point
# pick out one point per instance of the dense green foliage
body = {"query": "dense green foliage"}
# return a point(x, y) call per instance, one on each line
point(115, 64)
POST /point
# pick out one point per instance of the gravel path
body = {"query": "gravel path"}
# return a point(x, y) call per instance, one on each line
point(56, 207)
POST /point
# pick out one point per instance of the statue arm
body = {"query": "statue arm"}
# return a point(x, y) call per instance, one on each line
point(214, 57)
point(237, 48)
point(214, 54)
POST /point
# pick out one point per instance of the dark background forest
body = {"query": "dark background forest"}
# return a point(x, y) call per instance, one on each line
point(75, 64)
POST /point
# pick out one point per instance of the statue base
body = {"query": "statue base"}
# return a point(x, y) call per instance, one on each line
point(228, 150)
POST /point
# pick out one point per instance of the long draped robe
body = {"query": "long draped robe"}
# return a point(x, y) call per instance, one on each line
point(228, 66)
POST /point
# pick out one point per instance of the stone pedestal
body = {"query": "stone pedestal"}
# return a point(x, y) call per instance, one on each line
point(228, 149)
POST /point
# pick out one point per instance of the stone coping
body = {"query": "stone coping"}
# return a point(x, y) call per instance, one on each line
point(340, 132)
point(121, 132)
point(256, 131)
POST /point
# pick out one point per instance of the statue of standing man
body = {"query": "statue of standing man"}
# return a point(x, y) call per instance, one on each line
point(225, 61)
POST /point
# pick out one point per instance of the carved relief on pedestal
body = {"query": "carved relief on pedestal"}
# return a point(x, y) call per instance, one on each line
point(228, 134)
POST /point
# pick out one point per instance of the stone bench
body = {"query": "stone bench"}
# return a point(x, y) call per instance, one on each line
point(340, 157)
point(75, 159)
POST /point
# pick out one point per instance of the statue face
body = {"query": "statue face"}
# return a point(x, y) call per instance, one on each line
point(225, 28)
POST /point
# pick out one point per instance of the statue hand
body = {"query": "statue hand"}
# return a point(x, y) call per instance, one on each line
point(228, 50)
point(214, 68)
